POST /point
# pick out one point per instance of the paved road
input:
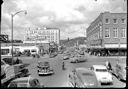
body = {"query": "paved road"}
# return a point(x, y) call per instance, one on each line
point(60, 78)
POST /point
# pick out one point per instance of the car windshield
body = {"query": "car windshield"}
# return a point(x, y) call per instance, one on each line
point(87, 74)
point(101, 70)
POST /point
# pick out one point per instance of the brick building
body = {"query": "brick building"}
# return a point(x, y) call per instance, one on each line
point(37, 35)
point(108, 30)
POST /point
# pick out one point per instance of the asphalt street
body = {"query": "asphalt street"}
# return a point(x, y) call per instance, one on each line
point(60, 77)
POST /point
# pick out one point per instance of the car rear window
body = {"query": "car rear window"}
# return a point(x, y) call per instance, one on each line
point(101, 70)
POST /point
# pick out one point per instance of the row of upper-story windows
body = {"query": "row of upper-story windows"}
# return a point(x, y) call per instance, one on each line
point(115, 21)
point(97, 26)
point(97, 35)
point(115, 33)
point(94, 36)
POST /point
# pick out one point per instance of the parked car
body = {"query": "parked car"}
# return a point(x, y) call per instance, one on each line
point(51, 55)
point(81, 52)
point(83, 77)
point(119, 70)
point(26, 53)
point(78, 58)
point(44, 68)
point(26, 82)
point(7, 71)
point(102, 74)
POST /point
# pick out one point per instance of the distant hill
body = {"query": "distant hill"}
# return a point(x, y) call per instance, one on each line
point(72, 42)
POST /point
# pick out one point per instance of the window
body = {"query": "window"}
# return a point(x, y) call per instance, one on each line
point(123, 32)
point(100, 31)
point(106, 21)
point(115, 33)
point(4, 51)
point(122, 21)
point(107, 33)
point(115, 21)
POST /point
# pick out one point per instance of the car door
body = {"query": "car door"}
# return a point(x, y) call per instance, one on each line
point(78, 81)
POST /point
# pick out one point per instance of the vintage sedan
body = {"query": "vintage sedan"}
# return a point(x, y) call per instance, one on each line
point(102, 74)
point(83, 77)
point(26, 82)
point(66, 56)
point(44, 68)
point(78, 58)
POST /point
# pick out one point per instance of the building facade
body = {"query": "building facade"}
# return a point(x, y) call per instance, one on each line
point(39, 35)
point(108, 30)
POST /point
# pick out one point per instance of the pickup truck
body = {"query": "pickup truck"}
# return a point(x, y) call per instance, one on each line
point(11, 71)
point(7, 71)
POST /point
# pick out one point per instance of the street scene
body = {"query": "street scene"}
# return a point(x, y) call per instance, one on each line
point(66, 43)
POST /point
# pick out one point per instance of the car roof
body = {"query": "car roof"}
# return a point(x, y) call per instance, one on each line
point(99, 66)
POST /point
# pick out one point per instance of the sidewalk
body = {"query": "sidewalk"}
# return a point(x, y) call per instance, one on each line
point(88, 55)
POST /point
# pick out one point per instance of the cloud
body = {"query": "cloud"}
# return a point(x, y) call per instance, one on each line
point(62, 14)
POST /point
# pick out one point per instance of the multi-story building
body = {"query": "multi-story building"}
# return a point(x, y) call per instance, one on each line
point(108, 30)
point(39, 35)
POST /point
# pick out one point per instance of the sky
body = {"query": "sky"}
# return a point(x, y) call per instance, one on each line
point(72, 17)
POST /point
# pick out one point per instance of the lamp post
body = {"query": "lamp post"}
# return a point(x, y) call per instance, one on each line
point(12, 15)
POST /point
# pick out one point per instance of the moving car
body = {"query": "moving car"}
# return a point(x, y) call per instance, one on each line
point(66, 56)
point(83, 77)
point(26, 82)
point(44, 68)
point(102, 74)
point(78, 58)
point(120, 71)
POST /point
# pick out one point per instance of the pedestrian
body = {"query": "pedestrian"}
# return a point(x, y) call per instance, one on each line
point(108, 65)
point(17, 61)
point(63, 66)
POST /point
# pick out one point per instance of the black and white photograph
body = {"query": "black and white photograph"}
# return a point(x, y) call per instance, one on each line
point(63, 43)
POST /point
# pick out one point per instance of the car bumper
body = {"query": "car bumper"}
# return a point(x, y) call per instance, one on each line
point(106, 81)
point(45, 73)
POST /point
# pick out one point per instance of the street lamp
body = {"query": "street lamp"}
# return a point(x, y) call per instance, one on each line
point(12, 15)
